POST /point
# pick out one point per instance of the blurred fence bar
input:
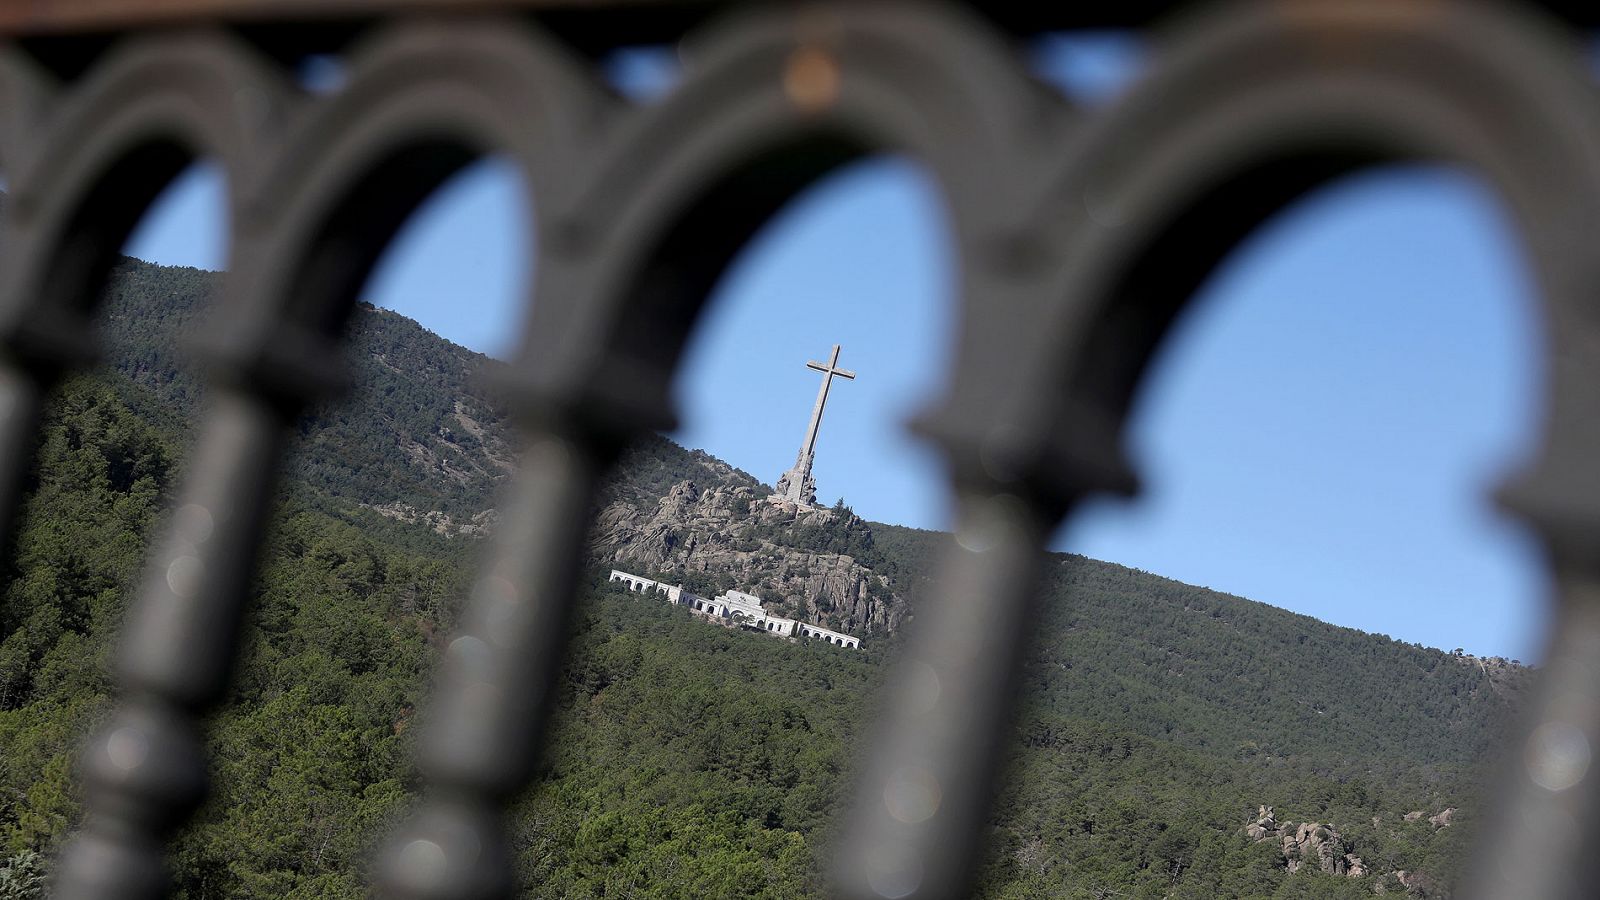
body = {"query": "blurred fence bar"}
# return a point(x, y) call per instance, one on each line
point(1081, 233)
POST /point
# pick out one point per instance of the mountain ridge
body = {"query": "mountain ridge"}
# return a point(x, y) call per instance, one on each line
point(470, 449)
point(428, 403)
point(1155, 717)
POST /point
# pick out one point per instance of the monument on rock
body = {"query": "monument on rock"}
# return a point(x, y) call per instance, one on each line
point(796, 485)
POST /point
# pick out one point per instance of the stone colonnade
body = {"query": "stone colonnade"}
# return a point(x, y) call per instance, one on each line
point(747, 609)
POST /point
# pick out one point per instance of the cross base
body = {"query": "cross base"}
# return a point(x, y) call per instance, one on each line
point(797, 486)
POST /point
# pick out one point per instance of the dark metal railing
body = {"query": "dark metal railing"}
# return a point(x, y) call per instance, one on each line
point(1080, 233)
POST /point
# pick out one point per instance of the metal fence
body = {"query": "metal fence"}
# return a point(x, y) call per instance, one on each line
point(1080, 234)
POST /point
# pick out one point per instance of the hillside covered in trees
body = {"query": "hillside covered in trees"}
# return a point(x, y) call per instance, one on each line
point(1158, 719)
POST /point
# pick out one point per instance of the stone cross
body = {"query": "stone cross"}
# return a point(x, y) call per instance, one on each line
point(797, 485)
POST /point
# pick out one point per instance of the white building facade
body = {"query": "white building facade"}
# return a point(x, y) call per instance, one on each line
point(736, 607)
point(641, 585)
point(814, 632)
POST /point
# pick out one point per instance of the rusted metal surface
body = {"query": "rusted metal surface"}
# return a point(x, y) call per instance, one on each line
point(1080, 234)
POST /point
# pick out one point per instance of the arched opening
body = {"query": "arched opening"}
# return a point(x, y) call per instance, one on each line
point(477, 222)
point(1380, 338)
point(163, 290)
point(784, 252)
point(426, 442)
point(387, 488)
point(1321, 430)
point(103, 457)
point(96, 232)
point(860, 258)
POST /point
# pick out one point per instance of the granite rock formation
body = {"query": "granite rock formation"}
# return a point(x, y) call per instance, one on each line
point(714, 534)
point(1314, 846)
point(1307, 844)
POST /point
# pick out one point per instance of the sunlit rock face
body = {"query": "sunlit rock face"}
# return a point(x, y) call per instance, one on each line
point(1313, 843)
point(1314, 846)
point(1307, 844)
point(720, 533)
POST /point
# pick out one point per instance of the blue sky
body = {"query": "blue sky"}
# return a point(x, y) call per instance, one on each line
point(1321, 431)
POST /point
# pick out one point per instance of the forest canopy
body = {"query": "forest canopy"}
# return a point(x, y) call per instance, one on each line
point(687, 760)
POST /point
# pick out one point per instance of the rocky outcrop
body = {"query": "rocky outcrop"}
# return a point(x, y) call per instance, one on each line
point(1265, 825)
point(1314, 846)
point(1307, 844)
point(1442, 820)
point(730, 535)
point(1507, 677)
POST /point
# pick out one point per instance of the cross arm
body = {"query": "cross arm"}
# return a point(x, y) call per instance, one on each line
point(824, 368)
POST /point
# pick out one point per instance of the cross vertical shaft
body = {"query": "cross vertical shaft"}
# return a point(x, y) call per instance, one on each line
point(797, 484)
point(828, 371)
